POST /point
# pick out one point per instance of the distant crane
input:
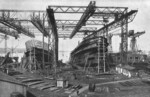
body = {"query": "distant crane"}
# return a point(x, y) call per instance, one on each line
point(110, 35)
point(133, 36)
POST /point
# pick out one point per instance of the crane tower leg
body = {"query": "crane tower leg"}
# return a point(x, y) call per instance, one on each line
point(124, 40)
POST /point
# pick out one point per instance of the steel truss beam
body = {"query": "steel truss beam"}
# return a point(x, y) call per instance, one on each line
point(6, 20)
point(25, 15)
point(81, 9)
point(62, 35)
point(74, 22)
point(86, 15)
point(8, 32)
point(100, 12)
point(116, 23)
point(69, 22)
point(83, 29)
point(39, 24)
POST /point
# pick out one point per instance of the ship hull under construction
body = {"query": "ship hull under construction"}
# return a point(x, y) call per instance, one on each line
point(90, 52)
point(36, 55)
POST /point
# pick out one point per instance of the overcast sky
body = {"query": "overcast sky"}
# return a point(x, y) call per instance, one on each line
point(140, 23)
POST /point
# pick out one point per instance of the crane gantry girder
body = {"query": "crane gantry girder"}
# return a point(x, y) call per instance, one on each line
point(66, 35)
point(10, 33)
point(81, 9)
point(17, 27)
point(74, 22)
point(109, 12)
point(86, 15)
point(70, 22)
point(37, 22)
point(64, 28)
point(70, 28)
point(116, 23)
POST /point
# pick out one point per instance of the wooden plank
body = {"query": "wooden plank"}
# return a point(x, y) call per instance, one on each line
point(10, 79)
point(53, 88)
point(39, 85)
point(33, 83)
point(45, 87)
point(31, 79)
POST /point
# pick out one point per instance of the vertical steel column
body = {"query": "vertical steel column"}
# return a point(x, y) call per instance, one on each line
point(5, 44)
point(34, 58)
point(98, 53)
point(43, 54)
point(48, 48)
point(104, 54)
point(104, 48)
point(124, 40)
point(30, 60)
point(56, 52)
point(43, 61)
point(52, 22)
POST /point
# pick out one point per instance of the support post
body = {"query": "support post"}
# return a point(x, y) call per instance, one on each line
point(52, 22)
point(34, 58)
point(104, 54)
point(43, 61)
point(48, 49)
point(124, 40)
point(98, 55)
point(5, 44)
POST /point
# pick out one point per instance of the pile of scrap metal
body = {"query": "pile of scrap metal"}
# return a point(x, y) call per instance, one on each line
point(34, 55)
point(87, 51)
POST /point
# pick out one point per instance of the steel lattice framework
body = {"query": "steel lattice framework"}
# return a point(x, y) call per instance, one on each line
point(74, 22)
point(24, 16)
point(94, 20)
point(28, 18)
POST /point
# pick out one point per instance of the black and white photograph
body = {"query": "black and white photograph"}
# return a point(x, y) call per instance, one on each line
point(74, 48)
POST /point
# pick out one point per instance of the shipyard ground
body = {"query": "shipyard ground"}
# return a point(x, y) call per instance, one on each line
point(107, 85)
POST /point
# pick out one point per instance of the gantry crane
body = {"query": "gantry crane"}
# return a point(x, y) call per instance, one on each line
point(110, 35)
point(133, 36)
